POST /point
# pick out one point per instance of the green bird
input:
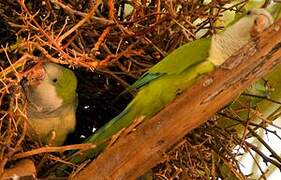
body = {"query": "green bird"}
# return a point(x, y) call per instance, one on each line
point(52, 102)
point(180, 69)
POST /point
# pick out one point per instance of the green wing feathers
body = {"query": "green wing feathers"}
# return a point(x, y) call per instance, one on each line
point(156, 88)
point(149, 100)
point(177, 61)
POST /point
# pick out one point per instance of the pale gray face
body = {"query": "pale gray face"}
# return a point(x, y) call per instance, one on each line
point(42, 95)
point(262, 21)
point(238, 34)
point(255, 20)
point(262, 12)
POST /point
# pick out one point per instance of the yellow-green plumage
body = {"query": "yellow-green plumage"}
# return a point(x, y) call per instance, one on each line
point(149, 99)
point(52, 104)
point(161, 84)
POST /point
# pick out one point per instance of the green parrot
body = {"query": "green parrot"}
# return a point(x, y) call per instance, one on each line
point(180, 69)
point(52, 102)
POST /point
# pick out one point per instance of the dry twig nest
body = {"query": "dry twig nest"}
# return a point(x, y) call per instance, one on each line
point(109, 46)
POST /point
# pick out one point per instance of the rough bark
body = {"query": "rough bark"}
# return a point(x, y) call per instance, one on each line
point(136, 152)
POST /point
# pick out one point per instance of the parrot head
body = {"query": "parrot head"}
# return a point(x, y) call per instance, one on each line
point(255, 20)
point(51, 86)
point(238, 34)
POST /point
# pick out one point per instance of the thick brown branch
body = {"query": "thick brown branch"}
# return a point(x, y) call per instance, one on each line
point(133, 154)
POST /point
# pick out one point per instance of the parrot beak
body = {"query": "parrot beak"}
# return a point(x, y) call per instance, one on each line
point(35, 75)
point(261, 23)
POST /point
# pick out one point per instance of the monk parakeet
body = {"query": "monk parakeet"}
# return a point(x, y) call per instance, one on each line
point(52, 102)
point(164, 81)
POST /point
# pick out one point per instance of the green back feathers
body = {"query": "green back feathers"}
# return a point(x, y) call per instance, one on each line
point(177, 71)
point(66, 85)
point(177, 61)
point(183, 57)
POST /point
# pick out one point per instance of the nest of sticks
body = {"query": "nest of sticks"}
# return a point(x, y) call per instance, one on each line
point(109, 44)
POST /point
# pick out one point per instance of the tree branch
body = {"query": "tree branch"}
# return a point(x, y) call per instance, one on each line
point(134, 153)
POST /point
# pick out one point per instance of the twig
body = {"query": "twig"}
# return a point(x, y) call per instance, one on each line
point(81, 22)
point(53, 149)
point(262, 97)
point(265, 158)
point(273, 153)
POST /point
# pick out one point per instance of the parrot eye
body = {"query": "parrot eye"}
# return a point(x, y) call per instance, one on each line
point(55, 80)
point(249, 12)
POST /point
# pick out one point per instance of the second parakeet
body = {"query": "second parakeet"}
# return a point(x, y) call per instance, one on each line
point(180, 69)
point(52, 102)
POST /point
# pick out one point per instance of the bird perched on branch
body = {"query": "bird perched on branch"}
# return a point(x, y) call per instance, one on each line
point(180, 69)
point(52, 102)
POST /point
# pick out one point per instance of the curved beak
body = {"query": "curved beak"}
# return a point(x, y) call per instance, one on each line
point(35, 75)
point(262, 22)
